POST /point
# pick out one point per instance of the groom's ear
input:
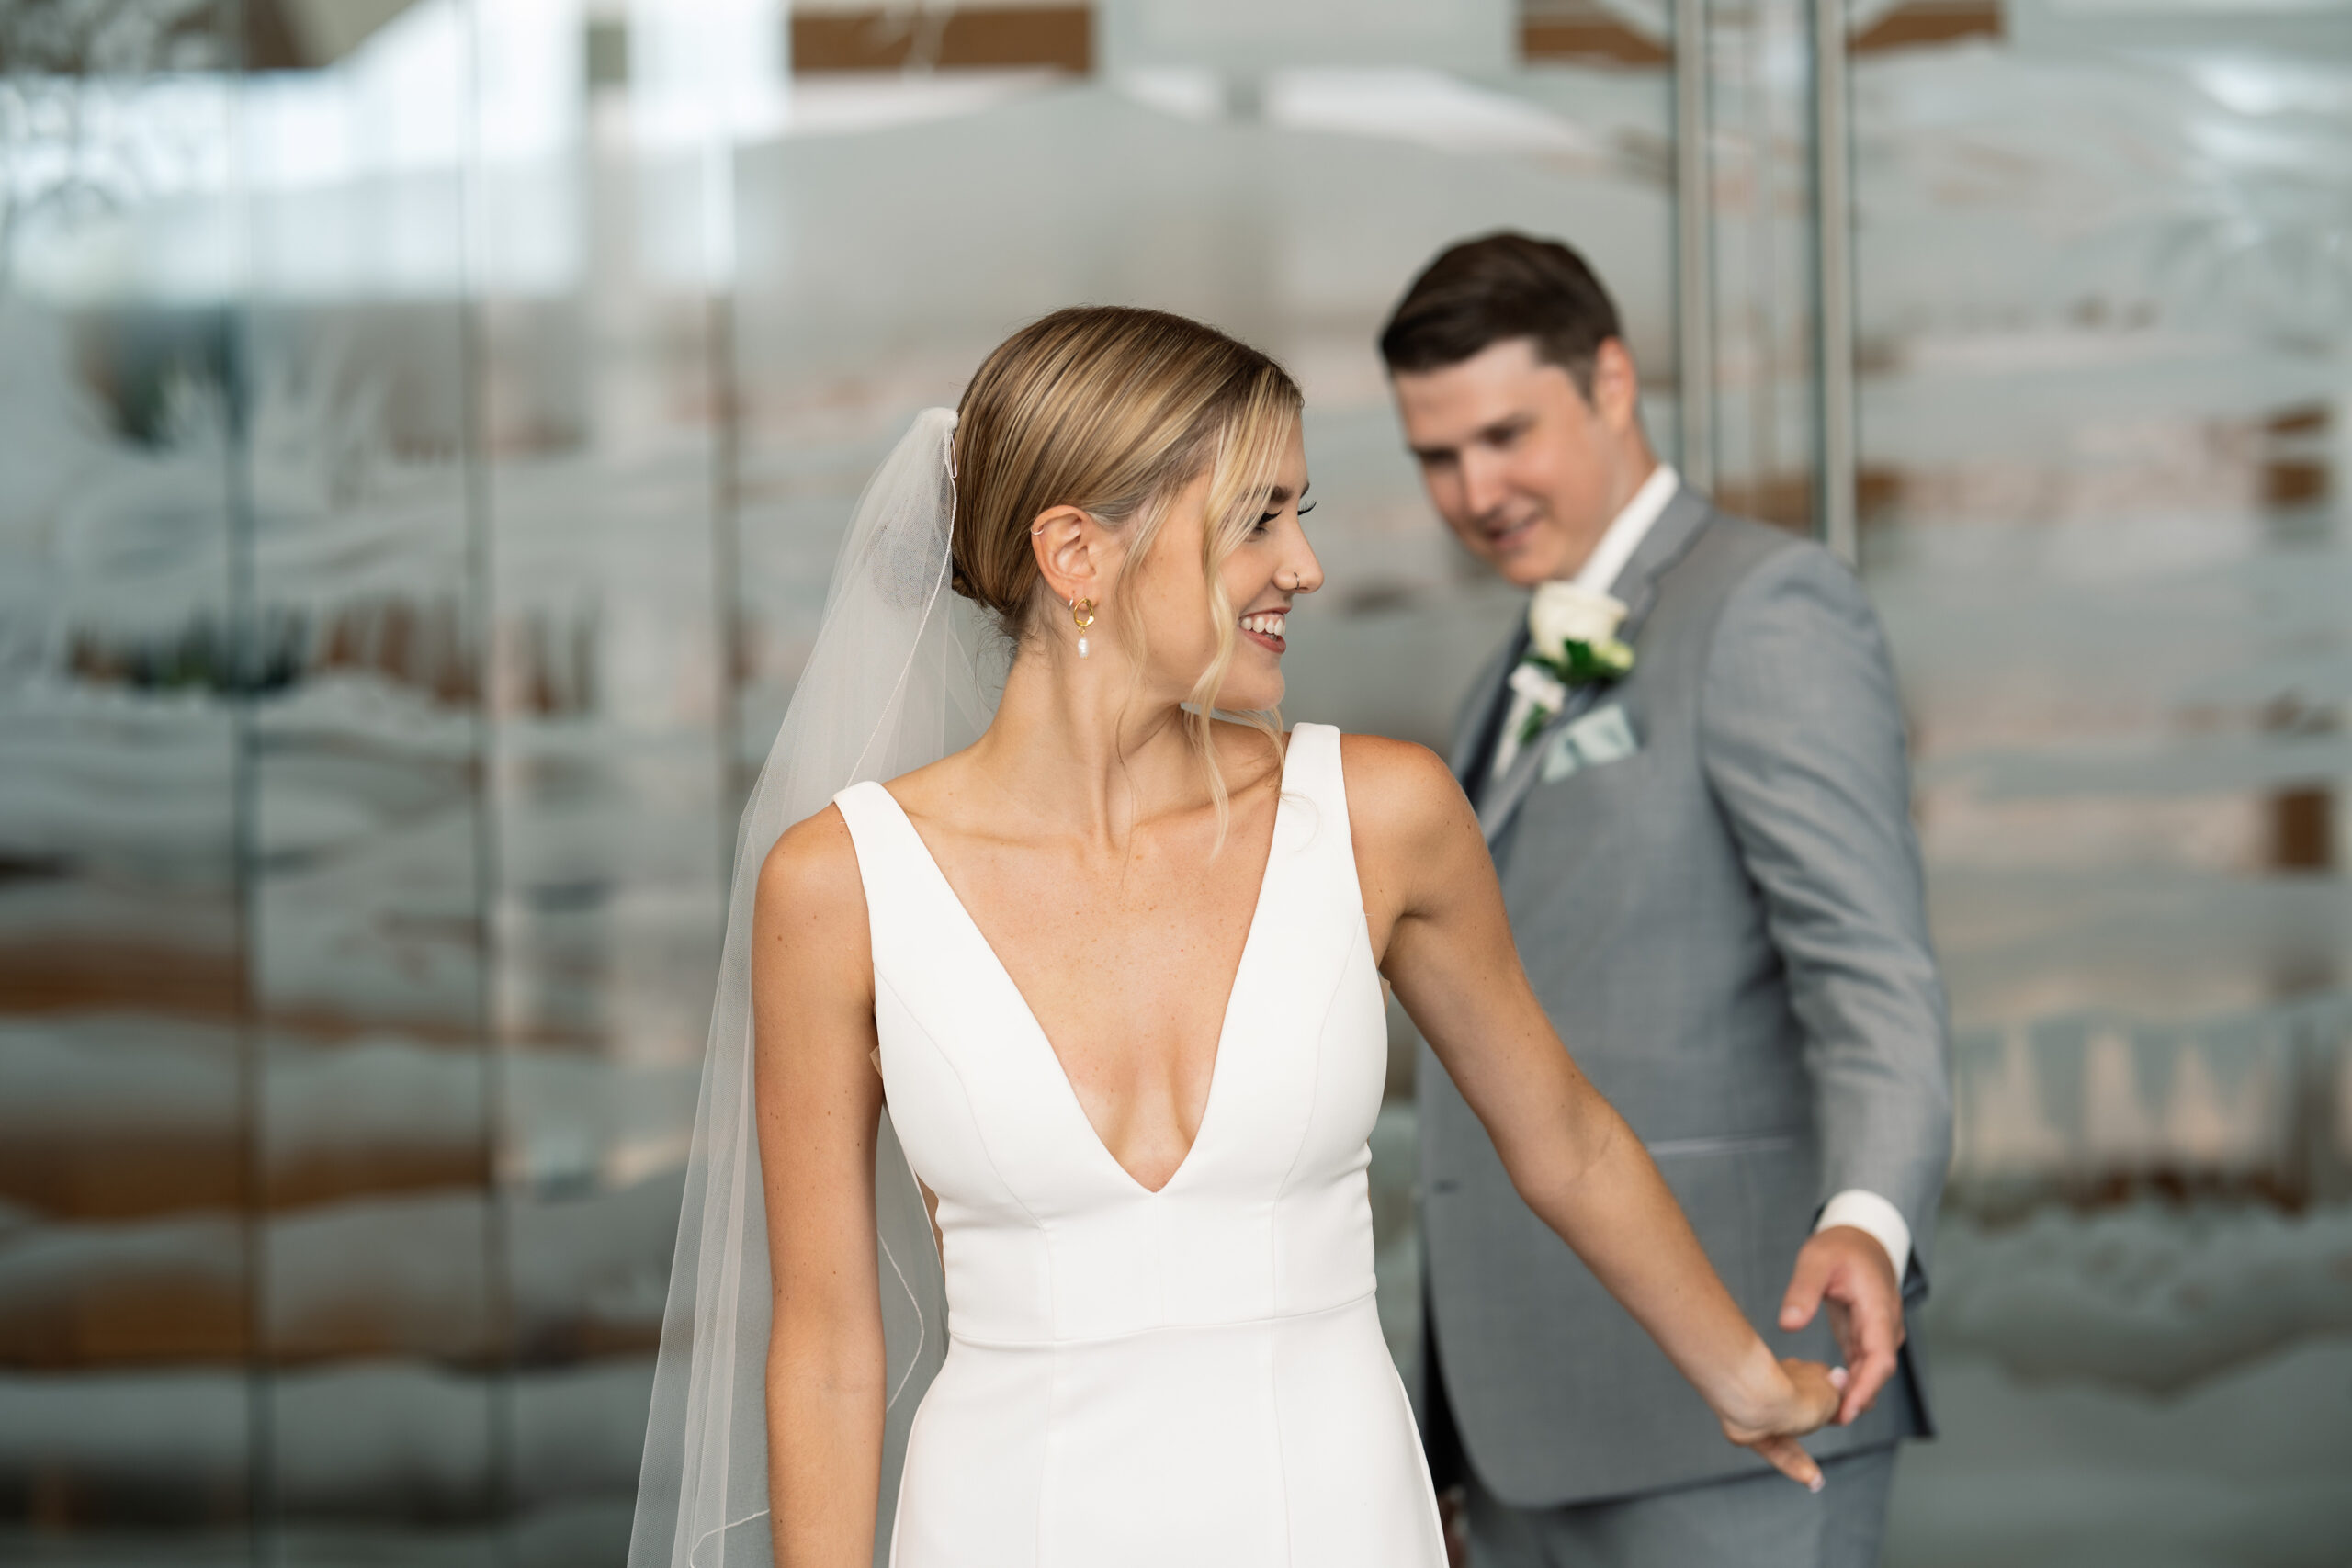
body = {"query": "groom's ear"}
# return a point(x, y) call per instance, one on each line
point(1616, 385)
point(1065, 542)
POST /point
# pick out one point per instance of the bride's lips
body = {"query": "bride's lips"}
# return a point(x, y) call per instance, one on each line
point(1265, 627)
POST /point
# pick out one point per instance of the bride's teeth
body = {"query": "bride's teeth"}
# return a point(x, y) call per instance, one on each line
point(1264, 625)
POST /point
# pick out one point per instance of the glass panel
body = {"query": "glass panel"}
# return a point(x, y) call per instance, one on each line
point(386, 1316)
point(124, 1069)
point(603, 292)
point(1761, 165)
point(2104, 327)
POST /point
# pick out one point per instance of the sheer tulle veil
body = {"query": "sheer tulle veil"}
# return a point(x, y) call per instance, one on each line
point(895, 680)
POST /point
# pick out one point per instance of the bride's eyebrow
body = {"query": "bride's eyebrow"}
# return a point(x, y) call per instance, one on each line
point(1280, 495)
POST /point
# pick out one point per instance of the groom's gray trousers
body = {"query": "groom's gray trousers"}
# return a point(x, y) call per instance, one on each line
point(1757, 1521)
point(1717, 893)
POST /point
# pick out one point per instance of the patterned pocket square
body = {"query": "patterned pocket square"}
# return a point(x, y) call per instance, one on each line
point(1605, 735)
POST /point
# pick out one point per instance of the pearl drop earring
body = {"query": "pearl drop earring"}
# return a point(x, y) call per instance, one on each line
point(1081, 614)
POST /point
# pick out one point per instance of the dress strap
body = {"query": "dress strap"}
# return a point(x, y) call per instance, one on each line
point(1311, 770)
point(880, 832)
point(867, 807)
point(1312, 778)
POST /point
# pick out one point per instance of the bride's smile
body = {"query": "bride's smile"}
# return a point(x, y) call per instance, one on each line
point(1163, 630)
point(1266, 627)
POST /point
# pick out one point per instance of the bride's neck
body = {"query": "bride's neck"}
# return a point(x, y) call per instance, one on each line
point(1085, 748)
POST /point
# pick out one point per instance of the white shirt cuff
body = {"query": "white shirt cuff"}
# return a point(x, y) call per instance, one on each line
point(1869, 1211)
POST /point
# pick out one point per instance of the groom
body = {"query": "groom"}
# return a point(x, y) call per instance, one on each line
point(1689, 766)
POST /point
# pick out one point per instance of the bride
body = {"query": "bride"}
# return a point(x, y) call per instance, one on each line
point(1115, 969)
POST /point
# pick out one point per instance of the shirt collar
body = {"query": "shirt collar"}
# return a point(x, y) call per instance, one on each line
point(1628, 529)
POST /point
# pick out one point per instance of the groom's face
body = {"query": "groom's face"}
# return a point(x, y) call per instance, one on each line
point(1523, 466)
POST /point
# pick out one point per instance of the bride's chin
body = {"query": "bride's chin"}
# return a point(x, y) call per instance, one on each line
point(1250, 697)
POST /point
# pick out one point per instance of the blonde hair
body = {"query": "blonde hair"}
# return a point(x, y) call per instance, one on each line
point(1115, 411)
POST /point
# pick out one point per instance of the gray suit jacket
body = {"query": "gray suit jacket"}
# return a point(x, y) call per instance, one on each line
point(1728, 929)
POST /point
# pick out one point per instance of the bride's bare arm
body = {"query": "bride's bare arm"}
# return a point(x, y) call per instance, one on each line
point(1445, 944)
point(818, 1101)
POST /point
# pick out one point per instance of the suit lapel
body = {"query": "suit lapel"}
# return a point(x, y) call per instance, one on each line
point(1638, 585)
point(1482, 717)
point(1502, 799)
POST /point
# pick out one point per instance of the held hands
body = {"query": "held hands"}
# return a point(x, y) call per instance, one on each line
point(1788, 1399)
point(1849, 1269)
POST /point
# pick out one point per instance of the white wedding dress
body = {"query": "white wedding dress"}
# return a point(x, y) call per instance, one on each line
point(1189, 1377)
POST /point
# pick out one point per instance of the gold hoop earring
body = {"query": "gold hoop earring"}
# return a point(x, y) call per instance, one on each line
point(1081, 615)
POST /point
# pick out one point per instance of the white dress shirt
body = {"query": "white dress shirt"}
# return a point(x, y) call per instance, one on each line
point(1599, 571)
point(1864, 1210)
point(1628, 529)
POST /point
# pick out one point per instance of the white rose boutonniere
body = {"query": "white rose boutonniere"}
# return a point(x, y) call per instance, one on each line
point(1571, 642)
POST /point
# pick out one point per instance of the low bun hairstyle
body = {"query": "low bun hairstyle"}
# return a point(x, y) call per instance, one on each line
point(1108, 410)
point(1115, 411)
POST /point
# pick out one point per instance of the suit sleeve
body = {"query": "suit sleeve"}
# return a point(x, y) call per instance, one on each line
point(1801, 734)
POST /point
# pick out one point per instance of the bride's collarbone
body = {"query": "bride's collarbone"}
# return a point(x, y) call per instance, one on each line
point(1126, 961)
point(1088, 942)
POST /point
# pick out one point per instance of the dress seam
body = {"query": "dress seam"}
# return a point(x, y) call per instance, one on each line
point(1048, 1457)
point(1054, 1381)
point(979, 1136)
point(1346, 841)
point(1274, 1321)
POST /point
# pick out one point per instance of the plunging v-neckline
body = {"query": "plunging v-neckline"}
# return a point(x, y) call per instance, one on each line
point(1037, 1027)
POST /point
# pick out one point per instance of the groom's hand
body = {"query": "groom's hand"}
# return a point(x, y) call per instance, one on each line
point(1849, 1269)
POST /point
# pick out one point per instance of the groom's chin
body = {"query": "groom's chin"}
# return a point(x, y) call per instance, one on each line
point(1524, 569)
point(1522, 562)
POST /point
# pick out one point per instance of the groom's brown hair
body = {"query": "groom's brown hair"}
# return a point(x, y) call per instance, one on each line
point(1496, 287)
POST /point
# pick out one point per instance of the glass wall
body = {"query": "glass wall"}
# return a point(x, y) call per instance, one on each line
point(2106, 350)
point(426, 432)
point(367, 445)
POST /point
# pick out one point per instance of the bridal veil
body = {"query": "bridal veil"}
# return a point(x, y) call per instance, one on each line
point(895, 681)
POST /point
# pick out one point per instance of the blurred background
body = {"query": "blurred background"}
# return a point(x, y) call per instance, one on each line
point(424, 431)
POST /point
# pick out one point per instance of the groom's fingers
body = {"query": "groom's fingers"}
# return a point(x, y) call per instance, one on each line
point(1867, 1377)
point(1868, 1373)
point(1875, 1328)
point(1815, 1266)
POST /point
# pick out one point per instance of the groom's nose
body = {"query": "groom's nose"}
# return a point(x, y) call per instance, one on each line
point(1482, 484)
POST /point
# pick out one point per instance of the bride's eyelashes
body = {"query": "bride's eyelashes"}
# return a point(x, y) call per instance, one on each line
point(1267, 521)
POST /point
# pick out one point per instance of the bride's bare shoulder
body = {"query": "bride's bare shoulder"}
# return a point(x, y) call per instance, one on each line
point(1401, 797)
point(812, 952)
point(1409, 819)
point(809, 879)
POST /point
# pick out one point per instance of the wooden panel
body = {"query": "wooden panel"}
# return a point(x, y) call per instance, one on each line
point(2303, 829)
point(1785, 501)
point(1586, 32)
point(1058, 36)
point(1924, 23)
point(196, 978)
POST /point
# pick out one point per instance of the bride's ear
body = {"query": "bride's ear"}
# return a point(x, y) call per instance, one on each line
point(1069, 546)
